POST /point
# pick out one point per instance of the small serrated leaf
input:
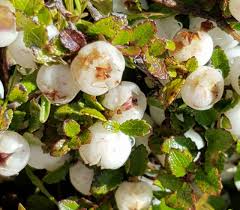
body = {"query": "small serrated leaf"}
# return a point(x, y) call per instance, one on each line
point(106, 181)
point(135, 127)
point(56, 176)
point(92, 113)
point(71, 128)
point(68, 205)
point(179, 161)
point(220, 61)
point(137, 163)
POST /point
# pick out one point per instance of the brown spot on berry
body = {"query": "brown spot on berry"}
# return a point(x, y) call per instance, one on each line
point(4, 157)
point(85, 61)
point(54, 95)
point(7, 18)
point(103, 72)
point(207, 26)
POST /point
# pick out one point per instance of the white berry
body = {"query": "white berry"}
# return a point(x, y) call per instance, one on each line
point(234, 115)
point(157, 114)
point(219, 37)
point(107, 149)
point(136, 196)
point(81, 177)
point(8, 31)
point(98, 67)
point(43, 160)
point(127, 102)
point(21, 54)
point(168, 27)
point(203, 88)
point(57, 84)
point(193, 44)
point(234, 7)
point(14, 153)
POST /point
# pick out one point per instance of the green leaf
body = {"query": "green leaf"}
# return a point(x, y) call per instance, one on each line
point(157, 47)
point(209, 182)
point(171, 91)
point(45, 109)
point(169, 181)
point(218, 140)
point(106, 181)
point(104, 6)
point(68, 111)
point(220, 61)
point(108, 27)
point(112, 126)
point(29, 7)
point(137, 163)
point(58, 175)
point(34, 120)
point(182, 198)
point(5, 118)
point(39, 202)
point(144, 32)
point(179, 161)
point(206, 117)
point(71, 128)
point(18, 94)
point(225, 122)
point(179, 142)
point(91, 101)
point(35, 35)
point(18, 120)
point(38, 183)
point(135, 127)
point(192, 64)
point(29, 82)
point(218, 203)
point(21, 207)
point(68, 205)
point(170, 45)
point(92, 113)
point(45, 16)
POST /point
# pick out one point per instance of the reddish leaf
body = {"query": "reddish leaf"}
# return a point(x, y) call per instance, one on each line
point(72, 39)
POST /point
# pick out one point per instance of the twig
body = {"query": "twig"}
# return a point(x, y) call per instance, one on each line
point(4, 74)
point(94, 12)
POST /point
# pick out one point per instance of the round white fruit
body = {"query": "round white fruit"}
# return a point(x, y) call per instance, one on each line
point(57, 84)
point(107, 149)
point(234, 74)
point(203, 88)
point(21, 54)
point(234, 7)
point(193, 44)
point(43, 160)
point(233, 115)
point(144, 139)
point(81, 177)
point(157, 114)
point(14, 153)
point(168, 27)
point(98, 67)
point(127, 102)
point(8, 31)
point(219, 37)
point(131, 195)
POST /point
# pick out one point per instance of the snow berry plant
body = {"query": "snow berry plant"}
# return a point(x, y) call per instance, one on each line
point(118, 104)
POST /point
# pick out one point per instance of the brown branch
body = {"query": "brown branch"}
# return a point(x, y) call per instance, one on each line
point(4, 74)
point(196, 10)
